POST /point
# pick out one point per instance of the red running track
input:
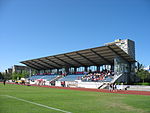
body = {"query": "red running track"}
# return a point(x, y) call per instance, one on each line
point(104, 90)
point(98, 90)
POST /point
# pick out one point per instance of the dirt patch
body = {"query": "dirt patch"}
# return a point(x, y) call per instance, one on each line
point(124, 106)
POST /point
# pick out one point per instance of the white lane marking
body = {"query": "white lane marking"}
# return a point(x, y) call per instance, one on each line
point(36, 104)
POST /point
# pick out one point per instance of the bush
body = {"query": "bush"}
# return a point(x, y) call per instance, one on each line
point(145, 84)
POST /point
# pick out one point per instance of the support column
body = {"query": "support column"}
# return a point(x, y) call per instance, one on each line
point(44, 71)
point(112, 68)
point(38, 71)
point(98, 68)
point(85, 69)
point(129, 73)
point(57, 71)
point(75, 70)
point(50, 70)
point(67, 70)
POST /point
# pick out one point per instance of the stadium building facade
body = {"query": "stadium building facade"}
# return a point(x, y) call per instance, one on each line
point(118, 56)
point(19, 69)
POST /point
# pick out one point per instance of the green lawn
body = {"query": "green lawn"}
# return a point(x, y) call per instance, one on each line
point(69, 100)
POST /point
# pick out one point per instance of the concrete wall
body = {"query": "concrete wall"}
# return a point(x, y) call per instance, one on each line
point(89, 84)
point(139, 88)
point(79, 83)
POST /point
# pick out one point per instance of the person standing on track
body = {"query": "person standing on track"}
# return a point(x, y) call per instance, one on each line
point(110, 87)
point(4, 82)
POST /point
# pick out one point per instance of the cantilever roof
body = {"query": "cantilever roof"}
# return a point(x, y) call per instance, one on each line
point(87, 57)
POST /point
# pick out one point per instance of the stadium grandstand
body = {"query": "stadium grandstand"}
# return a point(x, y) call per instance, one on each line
point(89, 68)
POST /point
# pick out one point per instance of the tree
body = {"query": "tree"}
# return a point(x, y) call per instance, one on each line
point(23, 74)
point(139, 67)
point(15, 76)
point(143, 74)
point(6, 76)
point(1, 76)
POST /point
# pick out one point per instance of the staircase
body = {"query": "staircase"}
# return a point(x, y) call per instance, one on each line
point(116, 77)
point(56, 78)
point(104, 85)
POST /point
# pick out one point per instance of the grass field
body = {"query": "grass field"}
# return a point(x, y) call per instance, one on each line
point(68, 100)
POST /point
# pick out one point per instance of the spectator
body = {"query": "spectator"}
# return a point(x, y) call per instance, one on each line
point(110, 87)
point(4, 82)
point(115, 87)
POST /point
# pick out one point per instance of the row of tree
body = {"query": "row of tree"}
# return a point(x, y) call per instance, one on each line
point(15, 75)
point(142, 73)
point(5, 76)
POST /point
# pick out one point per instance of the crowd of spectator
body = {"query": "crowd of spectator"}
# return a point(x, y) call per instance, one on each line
point(97, 75)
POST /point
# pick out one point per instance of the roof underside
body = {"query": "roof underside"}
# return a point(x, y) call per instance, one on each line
point(89, 57)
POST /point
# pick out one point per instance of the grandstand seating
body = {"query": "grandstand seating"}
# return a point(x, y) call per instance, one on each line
point(46, 77)
point(107, 79)
point(71, 77)
point(49, 77)
point(34, 77)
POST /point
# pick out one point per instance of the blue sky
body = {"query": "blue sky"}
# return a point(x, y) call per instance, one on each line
point(37, 28)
